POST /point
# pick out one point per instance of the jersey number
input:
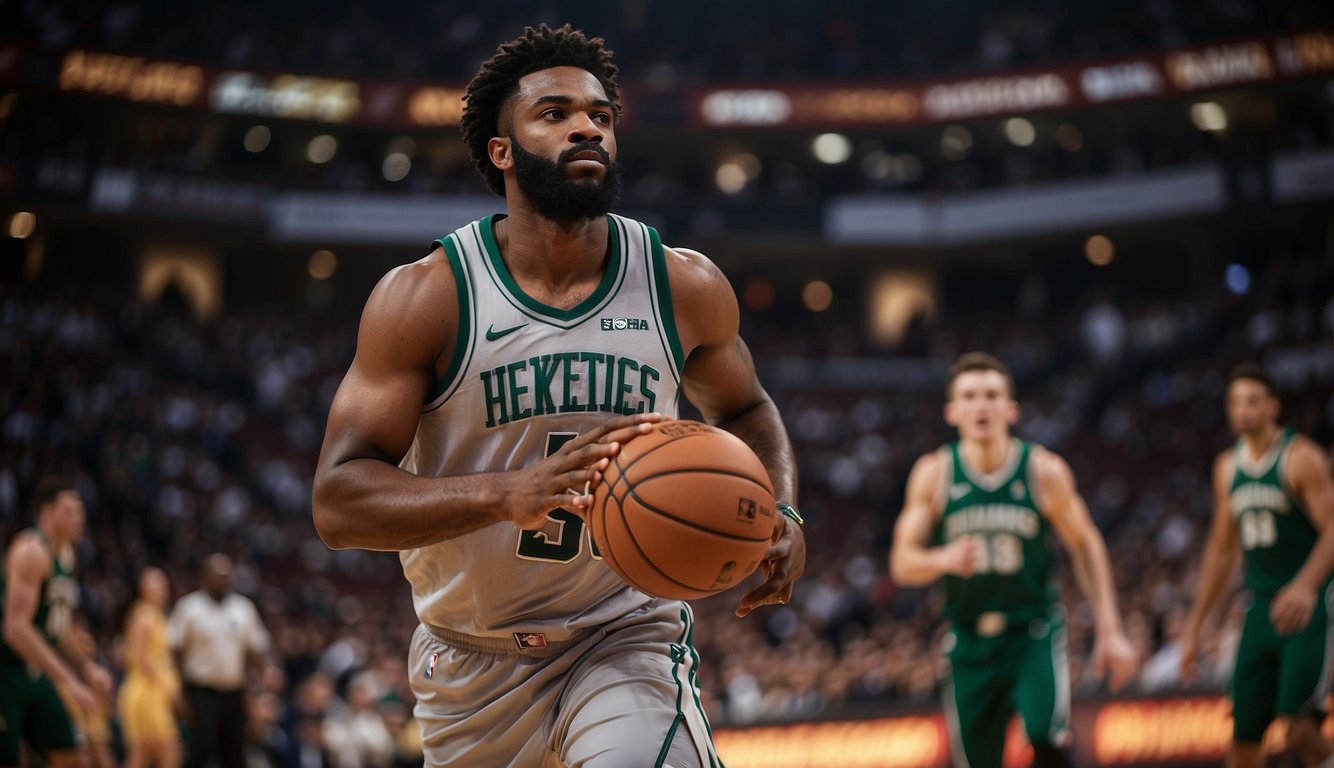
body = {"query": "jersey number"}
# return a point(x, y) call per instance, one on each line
point(565, 546)
point(1000, 553)
point(1257, 529)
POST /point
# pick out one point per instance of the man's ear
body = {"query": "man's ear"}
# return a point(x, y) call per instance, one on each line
point(499, 150)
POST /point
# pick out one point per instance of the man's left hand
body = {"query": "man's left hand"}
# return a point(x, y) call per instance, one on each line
point(782, 565)
point(1292, 608)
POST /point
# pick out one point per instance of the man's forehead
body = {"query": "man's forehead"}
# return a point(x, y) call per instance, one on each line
point(1248, 387)
point(981, 378)
point(560, 81)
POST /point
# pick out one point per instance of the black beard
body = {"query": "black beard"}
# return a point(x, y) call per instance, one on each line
point(558, 197)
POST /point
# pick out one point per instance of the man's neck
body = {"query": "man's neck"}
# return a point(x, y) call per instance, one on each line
point(986, 455)
point(557, 254)
point(55, 542)
point(1257, 443)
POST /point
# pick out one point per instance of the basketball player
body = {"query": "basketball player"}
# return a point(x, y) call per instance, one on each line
point(978, 512)
point(40, 596)
point(493, 381)
point(1274, 496)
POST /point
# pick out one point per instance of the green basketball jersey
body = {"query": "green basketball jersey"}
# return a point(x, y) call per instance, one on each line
point(1276, 533)
point(1013, 574)
point(56, 600)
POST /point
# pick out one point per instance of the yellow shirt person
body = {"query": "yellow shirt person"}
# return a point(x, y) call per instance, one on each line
point(151, 684)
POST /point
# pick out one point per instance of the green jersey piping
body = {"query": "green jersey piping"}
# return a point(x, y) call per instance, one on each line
point(484, 233)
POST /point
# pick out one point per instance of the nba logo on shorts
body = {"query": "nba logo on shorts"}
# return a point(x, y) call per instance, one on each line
point(530, 639)
point(746, 509)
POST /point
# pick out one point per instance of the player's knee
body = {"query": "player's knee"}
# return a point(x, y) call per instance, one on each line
point(1304, 733)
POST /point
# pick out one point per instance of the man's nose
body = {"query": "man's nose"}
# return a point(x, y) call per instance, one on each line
point(584, 129)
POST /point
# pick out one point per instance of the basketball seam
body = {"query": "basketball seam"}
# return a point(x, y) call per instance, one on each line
point(687, 523)
point(671, 440)
point(649, 562)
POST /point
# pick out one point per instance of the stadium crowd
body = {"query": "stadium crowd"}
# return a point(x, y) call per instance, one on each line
point(191, 436)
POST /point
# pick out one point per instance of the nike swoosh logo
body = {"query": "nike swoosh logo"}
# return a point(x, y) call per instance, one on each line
point(958, 491)
point(492, 334)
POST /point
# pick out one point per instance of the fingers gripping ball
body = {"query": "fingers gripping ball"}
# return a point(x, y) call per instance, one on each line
point(684, 511)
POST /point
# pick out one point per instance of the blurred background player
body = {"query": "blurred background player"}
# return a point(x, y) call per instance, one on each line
point(979, 513)
point(38, 662)
point(1273, 496)
point(151, 691)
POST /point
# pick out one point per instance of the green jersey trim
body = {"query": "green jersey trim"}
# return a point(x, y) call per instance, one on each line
point(991, 481)
point(463, 341)
point(484, 231)
point(663, 311)
point(1276, 451)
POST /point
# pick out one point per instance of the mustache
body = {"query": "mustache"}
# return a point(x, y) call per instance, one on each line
point(586, 146)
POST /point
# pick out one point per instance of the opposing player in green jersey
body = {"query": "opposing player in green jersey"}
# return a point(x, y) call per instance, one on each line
point(39, 597)
point(979, 513)
point(1273, 496)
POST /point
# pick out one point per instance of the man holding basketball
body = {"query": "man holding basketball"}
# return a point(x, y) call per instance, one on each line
point(493, 381)
point(979, 512)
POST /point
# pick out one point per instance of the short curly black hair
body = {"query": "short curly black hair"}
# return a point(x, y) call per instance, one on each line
point(498, 79)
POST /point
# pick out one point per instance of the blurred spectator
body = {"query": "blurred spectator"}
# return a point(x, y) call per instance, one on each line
point(355, 732)
point(216, 632)
point(151, 690)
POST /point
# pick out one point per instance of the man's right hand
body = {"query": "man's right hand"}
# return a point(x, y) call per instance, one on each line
point(81, 697)
point(559, 480)
point(961, 556)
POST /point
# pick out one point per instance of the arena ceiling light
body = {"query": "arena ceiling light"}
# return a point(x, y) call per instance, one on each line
point(1099, 250)
point(1208, 116)
point(396, 166)
point(1237, 278)
point(831, 148)
point(22, 225)
point(955, 142)
point(257, 139)
point(730, 177)
point(817, 296)
point(1020, 132)
point(321, 149)
point(322, 264)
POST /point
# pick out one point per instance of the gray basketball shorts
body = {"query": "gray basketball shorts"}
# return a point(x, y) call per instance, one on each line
point(625, 696)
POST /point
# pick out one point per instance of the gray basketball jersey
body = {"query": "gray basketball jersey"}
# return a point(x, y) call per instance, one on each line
point(524, 379)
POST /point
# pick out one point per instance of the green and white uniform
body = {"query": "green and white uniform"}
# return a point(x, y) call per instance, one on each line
point(520, 628)
point(1006, 646)
point(1275, 675)
point(31, 711)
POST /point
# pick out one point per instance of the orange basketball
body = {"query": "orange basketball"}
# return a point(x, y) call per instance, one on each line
point(684, 511)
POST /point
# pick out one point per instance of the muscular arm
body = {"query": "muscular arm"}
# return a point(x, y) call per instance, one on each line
point(1113, 654)
point(1220, 553)
point(912, 563)
point(360, 497)
point(1309, 479)
point(720, 379)
point(1069, 516)
point(25, 567)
